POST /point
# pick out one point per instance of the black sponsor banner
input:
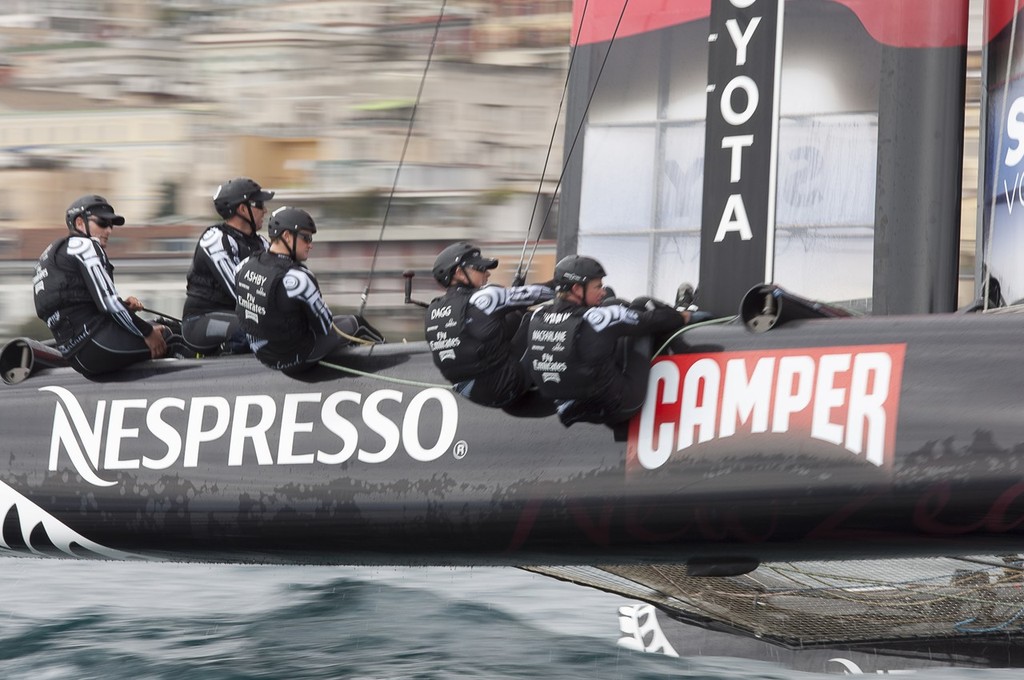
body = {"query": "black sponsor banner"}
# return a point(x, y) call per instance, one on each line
point(739, 181)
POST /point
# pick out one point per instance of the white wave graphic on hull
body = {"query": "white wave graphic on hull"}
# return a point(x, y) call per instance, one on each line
point(31, 516)
point(641, 631)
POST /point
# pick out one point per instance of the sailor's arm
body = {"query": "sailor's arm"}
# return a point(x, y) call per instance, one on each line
point(620, 320)
point(660, 317)
point(300, 286)
point(498, 300)
point(90, 259)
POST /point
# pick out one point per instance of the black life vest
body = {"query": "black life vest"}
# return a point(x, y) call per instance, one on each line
point(62, 297)
point(457, 354)
point(204, 288)
point(256, 283)
point(551, 355)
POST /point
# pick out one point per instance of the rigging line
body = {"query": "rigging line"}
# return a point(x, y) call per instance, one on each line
point(579, 129)
point(987, 272)
point(690, 326)
point(351, 338)
point(378, 376)
point(551, 142)
point(401, 159)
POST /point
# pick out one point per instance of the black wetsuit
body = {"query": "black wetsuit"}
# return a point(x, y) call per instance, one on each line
point(208, 318)
point(75, 295)
point(288, 325)
point(472, 333)
point(577, 355)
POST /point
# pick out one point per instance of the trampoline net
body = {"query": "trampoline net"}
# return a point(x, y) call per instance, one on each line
point(820, 603)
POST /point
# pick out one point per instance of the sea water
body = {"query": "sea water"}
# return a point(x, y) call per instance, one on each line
point(71, 619)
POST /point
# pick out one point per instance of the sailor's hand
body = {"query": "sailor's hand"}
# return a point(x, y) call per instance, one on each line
point(686, 316)
point(155, 341)
point(133, 304)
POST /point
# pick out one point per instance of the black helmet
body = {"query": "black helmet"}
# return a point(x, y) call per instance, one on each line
point(575, 269)
point(457, 255)
point(290, 219)
point(235, 192)
point(91, 206)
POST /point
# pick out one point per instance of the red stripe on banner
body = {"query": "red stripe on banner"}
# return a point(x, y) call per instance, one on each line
point(1000, 14)
point(640, 16)
point(899, 23)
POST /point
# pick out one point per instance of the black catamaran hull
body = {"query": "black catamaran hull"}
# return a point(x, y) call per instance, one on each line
point(822, 439)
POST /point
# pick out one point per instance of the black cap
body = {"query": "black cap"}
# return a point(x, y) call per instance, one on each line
point(106, 213)
point(92, 206)
point(478, 261)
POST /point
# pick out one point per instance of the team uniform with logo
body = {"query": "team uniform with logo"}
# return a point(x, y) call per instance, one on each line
point(579, 356)
point(289, 327)
point(74, 294)
point(473, 334)
point(208, 318)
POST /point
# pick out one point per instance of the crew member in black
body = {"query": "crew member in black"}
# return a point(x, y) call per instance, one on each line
point(578, 352)
point(279, 304)
point(209, 323)
point(74, 292)
point(473, 331)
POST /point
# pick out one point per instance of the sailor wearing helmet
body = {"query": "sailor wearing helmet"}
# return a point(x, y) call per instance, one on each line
point(95, 330)
point(209, 323)
point(279, 304)
point(578, 354)
point(473, 331)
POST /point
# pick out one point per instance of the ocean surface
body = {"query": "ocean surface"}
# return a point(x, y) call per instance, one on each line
point(69, 619)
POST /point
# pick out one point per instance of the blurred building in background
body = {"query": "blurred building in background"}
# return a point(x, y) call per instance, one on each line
point(153, 103)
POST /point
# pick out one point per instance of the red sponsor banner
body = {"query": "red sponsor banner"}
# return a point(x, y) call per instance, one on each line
point(1000, 14)
point(899, 23)
point(844, 396)
point(639, 16)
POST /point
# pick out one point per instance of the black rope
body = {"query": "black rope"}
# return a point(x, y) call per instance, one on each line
point(401, 160)
point(166, 316)
point(576, 136)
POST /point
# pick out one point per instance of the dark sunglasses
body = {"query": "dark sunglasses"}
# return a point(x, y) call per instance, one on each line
point(102, 222)
point(308, 238)
point(256, 204)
